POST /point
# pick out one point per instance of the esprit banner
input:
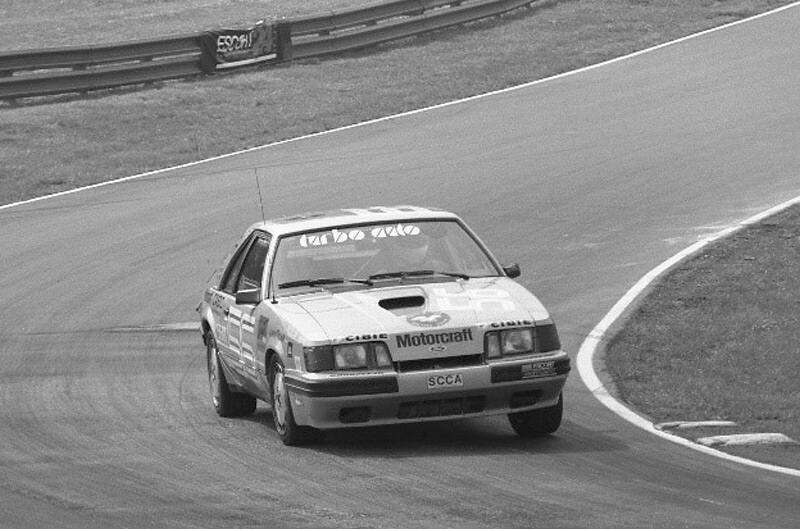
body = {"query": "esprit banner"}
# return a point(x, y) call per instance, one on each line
point(234, 47)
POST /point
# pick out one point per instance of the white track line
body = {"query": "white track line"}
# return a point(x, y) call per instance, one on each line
point(409, 113)
point(688, 425)
point(746, 439)
point(586, 353)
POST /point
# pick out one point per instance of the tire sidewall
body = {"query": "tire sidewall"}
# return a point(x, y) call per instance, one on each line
point(282, 413)
point(215, 377)
point(538, 422)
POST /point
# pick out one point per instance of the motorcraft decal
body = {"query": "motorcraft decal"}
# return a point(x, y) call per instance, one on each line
point(422, 338)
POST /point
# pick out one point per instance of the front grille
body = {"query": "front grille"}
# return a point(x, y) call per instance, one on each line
point(354, 415)
point(429, 364)
point(442, 407)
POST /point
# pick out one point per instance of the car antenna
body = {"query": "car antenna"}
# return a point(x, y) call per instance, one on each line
point(260, 199)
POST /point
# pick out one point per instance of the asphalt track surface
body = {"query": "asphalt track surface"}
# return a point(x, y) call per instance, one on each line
point(588, 180)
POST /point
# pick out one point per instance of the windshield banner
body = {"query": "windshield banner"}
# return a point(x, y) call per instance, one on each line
point(239, 47)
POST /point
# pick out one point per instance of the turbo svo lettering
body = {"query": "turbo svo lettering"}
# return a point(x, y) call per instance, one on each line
point(416, 340)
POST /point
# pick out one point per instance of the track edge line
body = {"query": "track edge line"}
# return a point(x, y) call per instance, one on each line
point(589, 346)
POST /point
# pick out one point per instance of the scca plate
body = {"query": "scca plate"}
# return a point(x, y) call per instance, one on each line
point(445, 381)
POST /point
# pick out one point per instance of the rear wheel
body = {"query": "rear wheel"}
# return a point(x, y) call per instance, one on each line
point(226, 402)
point(288, 430)
point(534, 423)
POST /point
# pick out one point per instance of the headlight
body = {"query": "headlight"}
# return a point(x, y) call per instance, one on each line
point(318, 358)
point(382, 356)
point(493, 345)
point(509, 342)
point(350, 356)
point(362, 355)
point(516, 341)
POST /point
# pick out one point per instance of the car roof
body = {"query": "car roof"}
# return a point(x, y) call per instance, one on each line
point(348, 216)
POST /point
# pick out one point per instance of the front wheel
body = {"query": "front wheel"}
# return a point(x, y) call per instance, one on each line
point(534, 423)
point(289, 431)
point(226, 402)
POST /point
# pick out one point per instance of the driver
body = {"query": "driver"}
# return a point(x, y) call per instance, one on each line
point(406, 254)
point(411, 251)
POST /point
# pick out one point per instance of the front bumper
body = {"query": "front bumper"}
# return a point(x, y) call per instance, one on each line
point(342, 400)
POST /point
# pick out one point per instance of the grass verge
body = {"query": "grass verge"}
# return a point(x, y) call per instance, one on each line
point(717, 338)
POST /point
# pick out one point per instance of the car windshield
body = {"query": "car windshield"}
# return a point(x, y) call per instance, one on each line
point(365, 255)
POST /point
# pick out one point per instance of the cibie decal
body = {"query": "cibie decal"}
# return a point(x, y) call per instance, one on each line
point(416, 340)
point(428, 319)
point(511, 323)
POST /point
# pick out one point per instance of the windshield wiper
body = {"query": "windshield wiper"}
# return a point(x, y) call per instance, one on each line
point(415, 273)
point(323, 281)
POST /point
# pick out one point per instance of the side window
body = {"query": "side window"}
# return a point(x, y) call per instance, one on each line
point(228, 283)
point(253, 266)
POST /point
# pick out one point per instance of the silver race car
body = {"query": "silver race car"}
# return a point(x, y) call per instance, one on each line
point(361, 317)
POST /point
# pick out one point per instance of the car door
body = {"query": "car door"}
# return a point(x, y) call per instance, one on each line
point(241, 317)
point(223, 298)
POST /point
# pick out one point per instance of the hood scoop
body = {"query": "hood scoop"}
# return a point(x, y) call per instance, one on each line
point(403, 306)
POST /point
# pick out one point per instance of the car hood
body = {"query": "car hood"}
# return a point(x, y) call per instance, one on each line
point(425, 320)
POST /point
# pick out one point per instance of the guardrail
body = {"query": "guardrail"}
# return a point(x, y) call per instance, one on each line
point(77, 69)
point(54, 71)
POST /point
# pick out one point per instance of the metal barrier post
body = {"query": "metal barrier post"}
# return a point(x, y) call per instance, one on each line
point(283, 32)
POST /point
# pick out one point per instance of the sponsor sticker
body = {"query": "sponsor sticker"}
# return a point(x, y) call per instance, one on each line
point(261, 334)
point(445, 381)
point(336, 236)
point(363, 337)
point(237, 44)
point(440, 338)
point(511, 323)
point(539, 369)
point(428, 319)
point(483, 300)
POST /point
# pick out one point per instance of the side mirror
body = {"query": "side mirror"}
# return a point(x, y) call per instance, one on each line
point(512, 270)
point(248, 296)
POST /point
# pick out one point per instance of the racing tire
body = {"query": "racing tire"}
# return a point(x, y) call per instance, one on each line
point(226, 402)
point(288, 430)
point(539, 422)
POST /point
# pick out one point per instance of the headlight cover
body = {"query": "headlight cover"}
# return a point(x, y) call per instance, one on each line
point(350, 356)
point(516, 341)
point(346, 357)
point(521, 340)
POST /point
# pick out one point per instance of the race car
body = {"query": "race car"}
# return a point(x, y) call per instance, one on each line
point(373, 316)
